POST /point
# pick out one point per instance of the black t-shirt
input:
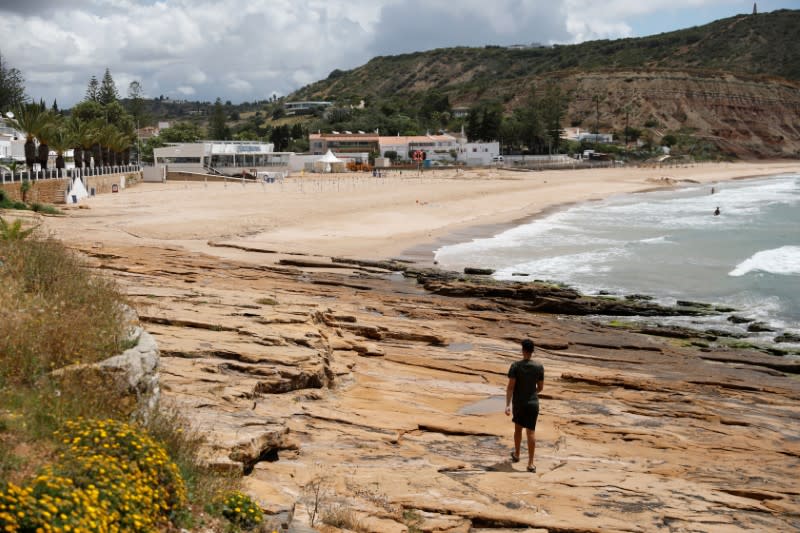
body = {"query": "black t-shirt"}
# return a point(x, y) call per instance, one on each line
point(527, 374)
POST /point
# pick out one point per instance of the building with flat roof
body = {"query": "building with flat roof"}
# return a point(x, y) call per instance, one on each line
point(225, 157)
point(436, 147)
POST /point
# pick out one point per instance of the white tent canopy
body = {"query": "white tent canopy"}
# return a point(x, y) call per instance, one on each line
point(329, 158)
point(77, 192)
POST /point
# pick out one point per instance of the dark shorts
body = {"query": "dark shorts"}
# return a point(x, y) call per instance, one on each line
point(526, 415)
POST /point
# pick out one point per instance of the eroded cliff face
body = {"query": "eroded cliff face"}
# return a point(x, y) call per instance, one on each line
point(744, 117)
point(389, 399)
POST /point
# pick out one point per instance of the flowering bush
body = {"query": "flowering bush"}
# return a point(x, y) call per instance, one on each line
point(109, 477)
point(241, 510)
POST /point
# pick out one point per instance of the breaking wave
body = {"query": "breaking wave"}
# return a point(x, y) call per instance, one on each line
point(784, 261)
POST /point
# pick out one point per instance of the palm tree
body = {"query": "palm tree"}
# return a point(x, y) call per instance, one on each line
point(89, 141)
point(107, 136)
point(115, 144)
point(44, 135)
point(61, 140)
point(77, 131)
point(126, 153)
point(30, 119)
point(121, 146)
point(94, 137)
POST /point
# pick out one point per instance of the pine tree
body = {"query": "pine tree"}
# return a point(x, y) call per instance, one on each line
point(55, 106)
point(219, 130)
point(136, 102)
point(12, 87)
point(108, 90)
point(92, 91)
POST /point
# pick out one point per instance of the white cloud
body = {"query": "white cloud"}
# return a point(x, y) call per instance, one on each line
point(249, 49)
point(589, 19)
point(240, 85)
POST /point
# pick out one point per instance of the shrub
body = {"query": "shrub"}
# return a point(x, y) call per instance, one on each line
point(242, 511)
point(342, 517)
point(13, 231)
point(53, 312)
point(24, 188)
point(109, 477)
point(46, 209)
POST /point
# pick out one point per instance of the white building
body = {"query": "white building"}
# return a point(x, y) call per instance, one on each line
point(226, 157)
point(435, 147)
point(577, 134)
point(478, 153)
point(12, 143)
point(299, 108)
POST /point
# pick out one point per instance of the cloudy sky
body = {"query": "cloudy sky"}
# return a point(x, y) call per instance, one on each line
point(249, 49)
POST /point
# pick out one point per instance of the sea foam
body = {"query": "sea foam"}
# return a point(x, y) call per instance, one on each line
point(784, 260)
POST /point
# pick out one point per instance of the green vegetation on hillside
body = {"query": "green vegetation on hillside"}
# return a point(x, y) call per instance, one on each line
point(639, 89)
point(765, 44)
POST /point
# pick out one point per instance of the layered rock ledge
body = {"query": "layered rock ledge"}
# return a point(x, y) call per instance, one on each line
point(388, 394)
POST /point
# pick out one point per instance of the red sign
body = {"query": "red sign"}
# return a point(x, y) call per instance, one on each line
point(114, 187)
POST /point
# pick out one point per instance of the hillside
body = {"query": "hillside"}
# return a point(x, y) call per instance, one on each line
point(735, 81)
point(766, 45)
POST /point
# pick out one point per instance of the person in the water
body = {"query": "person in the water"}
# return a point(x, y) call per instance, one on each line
point(716, 212)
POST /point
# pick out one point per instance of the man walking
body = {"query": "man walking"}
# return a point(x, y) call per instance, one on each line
point(525, 382)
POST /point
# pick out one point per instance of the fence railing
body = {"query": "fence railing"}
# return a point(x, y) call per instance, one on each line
point(54, 174)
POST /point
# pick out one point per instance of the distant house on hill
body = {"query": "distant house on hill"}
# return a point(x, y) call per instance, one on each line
point(306, 107)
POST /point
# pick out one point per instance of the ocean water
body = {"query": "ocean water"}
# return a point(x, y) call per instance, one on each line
point(667, 244)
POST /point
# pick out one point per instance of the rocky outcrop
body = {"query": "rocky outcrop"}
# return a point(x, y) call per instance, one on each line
point(134, 373)
point(788, 337)
point(137, 368)
point(548, 298)
point(391, 401)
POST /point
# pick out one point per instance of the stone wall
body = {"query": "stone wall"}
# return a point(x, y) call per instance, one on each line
point(102, 184)
point(53, 191)
point(41, 191)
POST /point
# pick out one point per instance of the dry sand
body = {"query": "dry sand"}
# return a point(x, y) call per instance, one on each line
point(357, 215)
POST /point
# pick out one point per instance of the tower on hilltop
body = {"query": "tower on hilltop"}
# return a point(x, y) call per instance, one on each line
point(755, 9)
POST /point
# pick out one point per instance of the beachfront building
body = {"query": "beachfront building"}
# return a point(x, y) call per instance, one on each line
point(443, 147)
point(343, 143)
point(435, 147)
point(224, 157)
point(478, 153)
point(12, 144)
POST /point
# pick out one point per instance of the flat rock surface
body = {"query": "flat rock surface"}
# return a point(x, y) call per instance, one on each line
point(389, 400)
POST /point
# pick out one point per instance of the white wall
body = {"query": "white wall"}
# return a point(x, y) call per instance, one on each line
point(478, 154)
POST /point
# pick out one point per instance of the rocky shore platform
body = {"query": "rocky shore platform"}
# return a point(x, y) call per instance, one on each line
point(372, 393)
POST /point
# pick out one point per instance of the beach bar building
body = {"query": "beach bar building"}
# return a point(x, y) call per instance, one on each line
point(221, 157)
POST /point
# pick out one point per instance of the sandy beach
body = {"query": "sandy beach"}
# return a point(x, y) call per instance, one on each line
point(356, 215)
